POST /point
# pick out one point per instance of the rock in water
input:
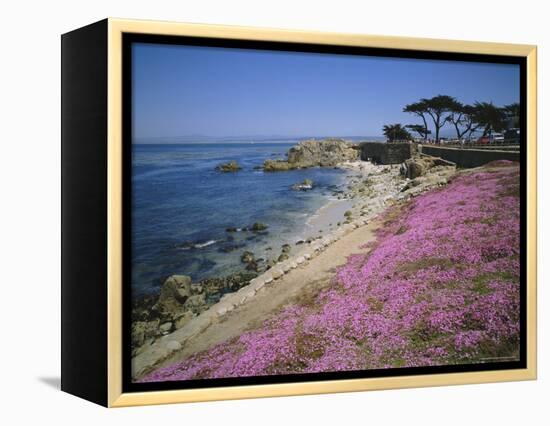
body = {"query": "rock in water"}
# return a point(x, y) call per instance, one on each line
point(277, 166)
point(259, 226)
point(306, 185)
point(231, 166)
point(247, 257)
point(312, 153)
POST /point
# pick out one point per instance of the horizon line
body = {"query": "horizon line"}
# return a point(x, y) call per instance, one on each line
point(250, 137)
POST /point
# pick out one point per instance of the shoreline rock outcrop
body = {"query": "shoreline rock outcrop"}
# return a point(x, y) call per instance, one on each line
point(315, 153)
point(424, 172)
point(178, 302)
point(419, 165)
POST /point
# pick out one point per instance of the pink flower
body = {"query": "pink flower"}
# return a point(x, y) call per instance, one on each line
point(443, 290)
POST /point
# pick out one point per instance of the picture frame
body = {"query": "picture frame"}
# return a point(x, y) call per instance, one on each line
point(97, 116)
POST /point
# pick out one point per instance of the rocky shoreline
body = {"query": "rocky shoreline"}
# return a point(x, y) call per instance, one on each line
point(394, 293)
point(183, 309)
point(314, 153)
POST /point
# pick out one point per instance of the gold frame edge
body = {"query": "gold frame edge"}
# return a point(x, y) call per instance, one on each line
point(116, 27)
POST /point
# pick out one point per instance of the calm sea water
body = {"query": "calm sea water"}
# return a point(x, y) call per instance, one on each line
point(182, 207)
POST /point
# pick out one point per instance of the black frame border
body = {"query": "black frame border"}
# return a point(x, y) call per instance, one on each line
point(128, 39)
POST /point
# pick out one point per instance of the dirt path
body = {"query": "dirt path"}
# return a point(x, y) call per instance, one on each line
point(298, 285)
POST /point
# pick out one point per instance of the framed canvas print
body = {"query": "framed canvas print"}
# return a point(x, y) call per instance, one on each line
point(254, 212)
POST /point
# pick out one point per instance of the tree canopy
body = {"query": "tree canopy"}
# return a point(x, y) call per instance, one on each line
point(437, 108)
point(466, 119)
point(396, 132)
point(420, 109)
point(512, 112)
point(422, 131)
point(490, 117)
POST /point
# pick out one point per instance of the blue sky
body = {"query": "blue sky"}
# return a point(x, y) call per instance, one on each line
point(185, 90)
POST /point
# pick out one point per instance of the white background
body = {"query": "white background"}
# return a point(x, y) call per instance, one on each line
point(30, 211)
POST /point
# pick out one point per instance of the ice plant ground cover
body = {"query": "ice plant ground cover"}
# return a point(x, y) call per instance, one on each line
point(439, 286)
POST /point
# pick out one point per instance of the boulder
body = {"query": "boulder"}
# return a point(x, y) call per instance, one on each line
point(414, 167)
point(166, 327)
point(174, 293)
point(142, 307)
point(419, 165)
point(277, 166)
point(230, 166)
point(142, 331)
point(197, 289)
point(214, 286)
point(258, 226)
point(196, 300)
point(276, 273)
point(282, 257)
point(247, 257)
point(254, 266)
point(306, 185)
point(196, 303)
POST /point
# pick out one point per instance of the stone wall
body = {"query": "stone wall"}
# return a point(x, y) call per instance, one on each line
point(385, 152)
point(467, 158)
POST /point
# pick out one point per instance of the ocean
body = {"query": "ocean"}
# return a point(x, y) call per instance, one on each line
point(182, 206)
